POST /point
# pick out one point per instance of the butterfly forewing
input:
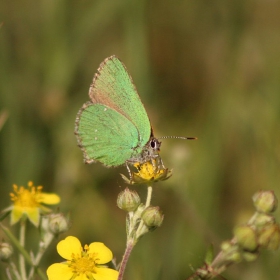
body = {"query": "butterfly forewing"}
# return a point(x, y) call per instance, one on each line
point(113, 87)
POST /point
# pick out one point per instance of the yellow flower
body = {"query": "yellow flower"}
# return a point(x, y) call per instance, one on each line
point(82, 263)
point(27, 203)
point(148, 172)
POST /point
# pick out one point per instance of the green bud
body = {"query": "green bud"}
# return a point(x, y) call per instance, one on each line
point(265, 201)
point(234, 256)
point(58, 223)
point(262, 220)
point(269, 237)
point(226, 245)
point(128, 200)
point(6, 251)
point(250, 256)
point(152, 217)
point(246, 238)
point(231, 251)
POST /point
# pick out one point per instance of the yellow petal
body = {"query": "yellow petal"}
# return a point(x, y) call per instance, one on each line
point(70, 245)
point(33, 215)
point(82, 276)
point(103, 273)
point(49, 198)
point(103, 253)
point(59, 271)
point(16, 214)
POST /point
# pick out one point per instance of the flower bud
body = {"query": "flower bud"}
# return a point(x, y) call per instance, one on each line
point(269, 237)
point(246, 237)
point(262, 220)
point(234, 256)
point(6, 251)
point(226, 245)
point(152, 217)
point(128, 200)
point(58, 223)
point(249, 256)
point(231, 251)
point(265, 201)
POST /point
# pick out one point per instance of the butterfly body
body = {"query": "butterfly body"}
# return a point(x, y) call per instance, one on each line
point(113, 128)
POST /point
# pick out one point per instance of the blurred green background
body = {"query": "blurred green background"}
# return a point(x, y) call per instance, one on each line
point(209, 69)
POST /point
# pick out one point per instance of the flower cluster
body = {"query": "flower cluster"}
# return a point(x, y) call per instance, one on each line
point(260, 232)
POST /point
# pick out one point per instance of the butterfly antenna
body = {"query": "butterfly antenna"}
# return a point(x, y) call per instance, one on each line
point(178, 137)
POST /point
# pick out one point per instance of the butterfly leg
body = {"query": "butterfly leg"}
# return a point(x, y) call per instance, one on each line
point(161, 162)
point(129, 172)
point(158, 163)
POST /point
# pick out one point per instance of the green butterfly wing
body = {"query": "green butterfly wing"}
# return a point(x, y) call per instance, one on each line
point(112, 86)
point(105, 135)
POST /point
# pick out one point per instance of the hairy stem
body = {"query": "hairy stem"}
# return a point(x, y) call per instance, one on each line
point(125, 258)
point(22, 243)
point(133, 238)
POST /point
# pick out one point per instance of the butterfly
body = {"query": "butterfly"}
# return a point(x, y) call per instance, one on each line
point(113, 128)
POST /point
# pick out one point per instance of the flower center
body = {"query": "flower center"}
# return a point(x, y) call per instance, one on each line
point(83, 264)
point(26, 198)
point(148, 170)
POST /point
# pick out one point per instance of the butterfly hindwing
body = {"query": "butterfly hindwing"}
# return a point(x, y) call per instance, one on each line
point(105, 135)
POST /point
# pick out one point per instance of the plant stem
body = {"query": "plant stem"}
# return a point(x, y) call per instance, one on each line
point(147, 204)
point(125, 258)
point(14, 271)
point(149, 196)
point(133, 238)
point(42, 249)
point(16, 243)
point(22, 243)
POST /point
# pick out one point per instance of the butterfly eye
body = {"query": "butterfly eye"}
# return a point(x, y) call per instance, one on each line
point(155, 144)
